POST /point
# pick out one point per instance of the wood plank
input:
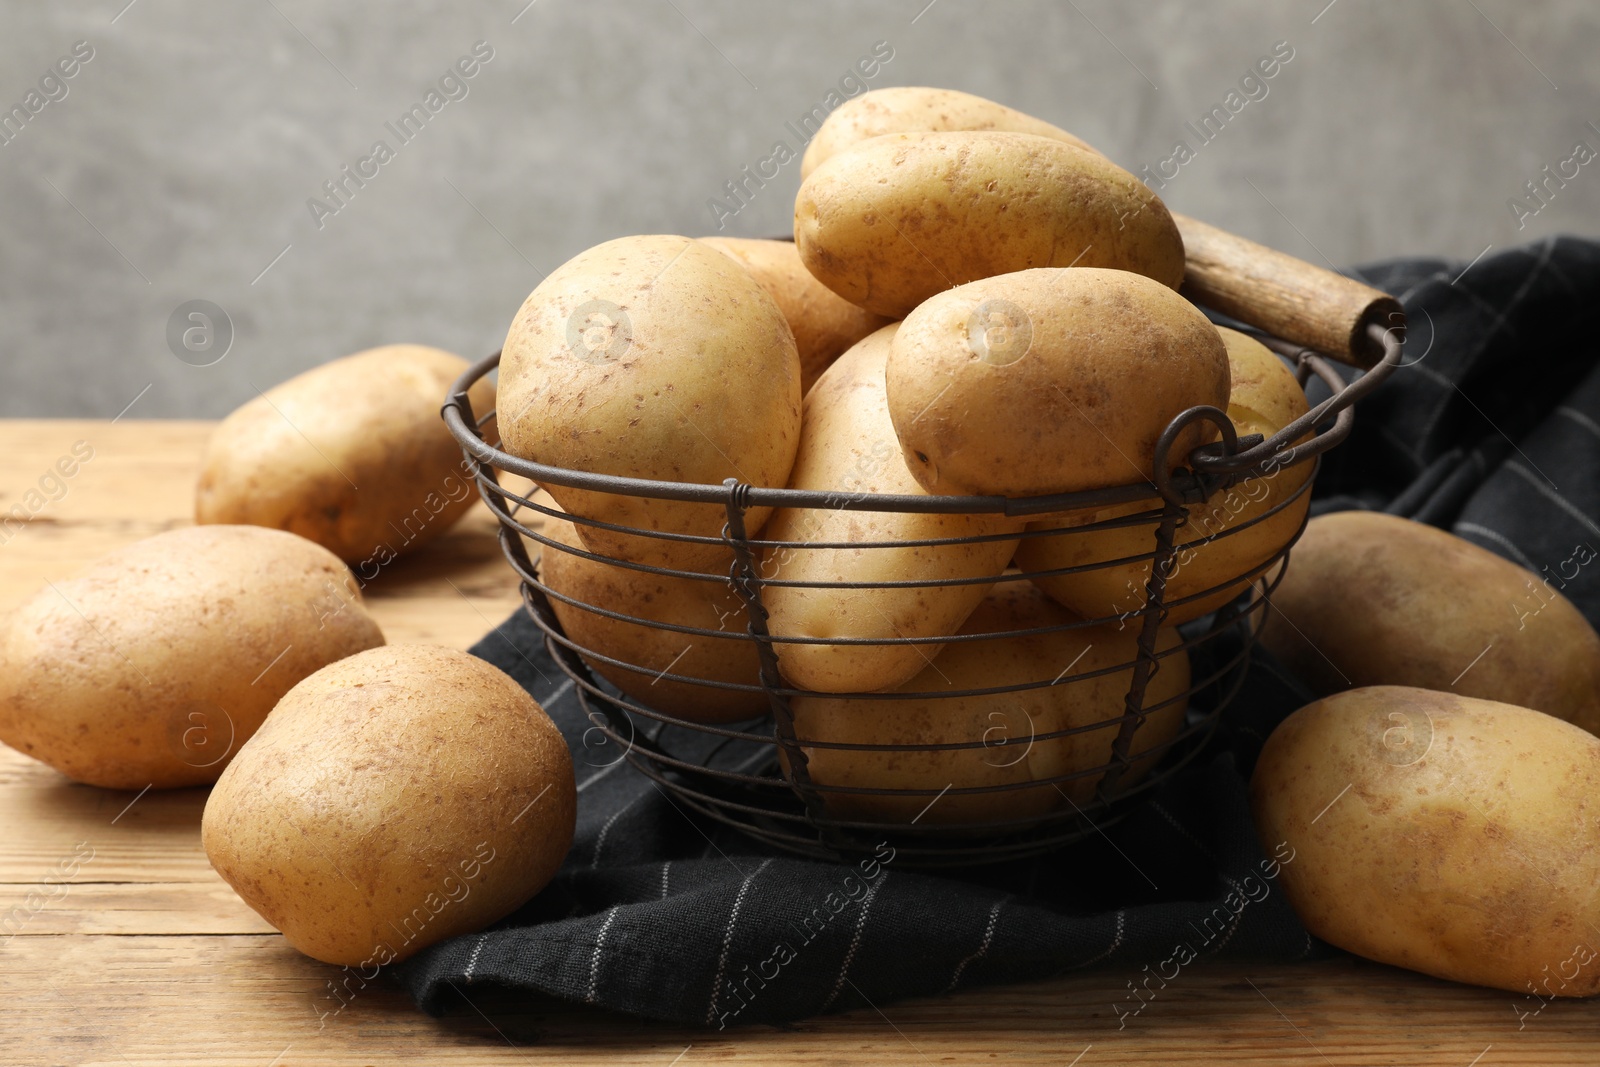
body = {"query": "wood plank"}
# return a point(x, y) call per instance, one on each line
point(140, 482)
point(199, 1000)
point(79, 907)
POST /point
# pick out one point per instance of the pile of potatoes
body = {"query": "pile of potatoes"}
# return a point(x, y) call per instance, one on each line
point(369, 799)
point(978, 303)
point(974, 303)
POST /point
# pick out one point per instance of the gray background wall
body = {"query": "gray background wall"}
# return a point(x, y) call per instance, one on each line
point(179, 164)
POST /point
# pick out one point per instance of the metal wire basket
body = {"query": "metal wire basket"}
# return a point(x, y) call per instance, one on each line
point(756, 775)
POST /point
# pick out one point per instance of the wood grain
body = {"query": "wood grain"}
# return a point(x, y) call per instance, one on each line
point(144, 957)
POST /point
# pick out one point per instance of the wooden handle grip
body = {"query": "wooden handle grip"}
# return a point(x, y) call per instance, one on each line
point(1285, 296)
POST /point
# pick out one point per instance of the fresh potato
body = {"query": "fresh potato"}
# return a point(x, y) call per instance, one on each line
point(897, 219)
point(392, 800)
point(1264, 397)
point(824, 323)
point(159, 661)
point(1006, 723)
point(1442, 833)
point(1050, 381)
point(847, 447)
point(652, 357)
point(662, 599)
point(1372, 599)
point(351, 455)
point(911, 109)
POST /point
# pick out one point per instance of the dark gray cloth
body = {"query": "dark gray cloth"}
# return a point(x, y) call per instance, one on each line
point(1492, 431)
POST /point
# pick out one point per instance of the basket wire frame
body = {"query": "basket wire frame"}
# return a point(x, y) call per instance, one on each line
point(777, 801)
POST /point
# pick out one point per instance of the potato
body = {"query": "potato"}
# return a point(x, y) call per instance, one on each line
point(652, 357)
point(1263, 398)
point(824, 323)
point(392, 800)
point(847, 447)
point(1372, 599)
point(1006, 723)
point(1439, 832)
point(894, 220)
point(678, 601)
point(909, 109)
point(351, 455)
point(153, 666)
point(1050, 381)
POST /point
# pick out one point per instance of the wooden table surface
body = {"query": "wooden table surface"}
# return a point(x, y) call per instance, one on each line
point(146, 956)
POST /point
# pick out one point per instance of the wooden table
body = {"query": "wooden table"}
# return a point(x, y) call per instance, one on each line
point(146, 957)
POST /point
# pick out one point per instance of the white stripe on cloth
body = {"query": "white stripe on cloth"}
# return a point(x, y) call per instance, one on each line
point(472, 960)
point(1498, 538)
point(1556, 498)
point(855, 942)
point(1580, 418)
point(988, 938)
point(594, 961)
point(727, 939)
point(1178, 826)
point(1116, 940)
point(666, 869)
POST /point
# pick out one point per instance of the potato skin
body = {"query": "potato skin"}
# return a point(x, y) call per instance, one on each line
point(847, 447)
point(1092, 367)
point(1004, 721)
point(184, 643)
point(659, 598)
point(1263, 398)
point(392, 800)
point(1372, 599)
point(351, 455)
point(686, 371)
point(894, 220)
point(915, 109)
point(824, 324)
point(1442, 833)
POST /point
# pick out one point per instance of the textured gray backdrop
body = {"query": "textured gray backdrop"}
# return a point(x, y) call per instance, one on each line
point(178, 164)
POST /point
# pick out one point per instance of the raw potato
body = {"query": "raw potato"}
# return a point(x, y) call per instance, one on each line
point(824, 323)
point(1050, 381)
point(1372, 599)
point(1264, 397)
point(153, 666)
point(658, 598)
point(351, 455)
point(653, 357)
point(1442, 833)
point(894, 220)
point(910, 109)
point(848, 448)
point(395, 799)
point(1006, 723)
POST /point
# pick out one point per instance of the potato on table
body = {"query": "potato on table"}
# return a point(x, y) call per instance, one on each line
point(1443, 833)
point(1373, 599)
point(351, 455)
point(153, 666)
point(896, 219)
point(400, 797)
